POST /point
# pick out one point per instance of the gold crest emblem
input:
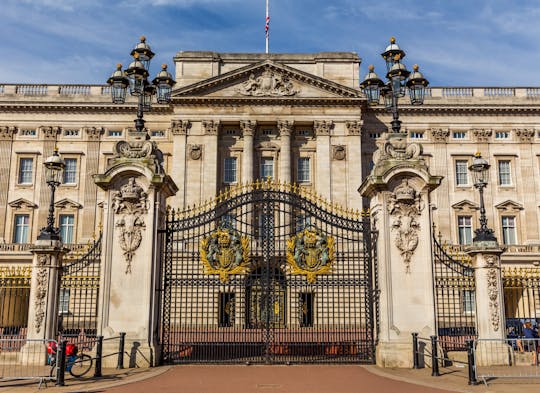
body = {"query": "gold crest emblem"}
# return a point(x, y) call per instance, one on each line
point(225, 252)
point(310, 253)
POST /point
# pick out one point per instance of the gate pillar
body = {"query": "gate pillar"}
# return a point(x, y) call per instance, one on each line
point(136, 188)
point(399, 188)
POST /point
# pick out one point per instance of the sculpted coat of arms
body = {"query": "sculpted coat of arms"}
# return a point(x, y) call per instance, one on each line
point(310, 253)
point(224, 253)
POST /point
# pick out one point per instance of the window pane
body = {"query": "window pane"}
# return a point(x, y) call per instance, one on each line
point(469, 302)
point(67, 222)
point(21, 228)
point(70, 171)
point(465, 229)
point(26, 166)
point(303, 170)
point(63, 304)
point(504, 173)
point(267, 168)
point(461, 172)
point(509, 230)
point(229, 175)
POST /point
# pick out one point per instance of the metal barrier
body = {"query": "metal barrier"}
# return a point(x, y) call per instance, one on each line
point(507, 358)
point(24, 359)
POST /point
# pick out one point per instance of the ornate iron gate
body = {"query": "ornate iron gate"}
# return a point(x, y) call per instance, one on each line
point(267, 273)
point(455, 303)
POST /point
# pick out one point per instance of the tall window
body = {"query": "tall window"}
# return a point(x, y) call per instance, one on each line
point(26, 167)
point(303, 170)
point(267, 168)
point(509, 229)
point(63, 303)
point(67, 225)
point(468, 301)
point(70, 171)
point(229, 174)
point(461, 173)
point(21, 228)
point(505, 178)
point(465, 229)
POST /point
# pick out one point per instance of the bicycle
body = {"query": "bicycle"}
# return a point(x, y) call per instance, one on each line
point(78, 364)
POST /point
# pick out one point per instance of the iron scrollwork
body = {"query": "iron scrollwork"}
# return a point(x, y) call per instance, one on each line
point(225, 253)
point(310, 253)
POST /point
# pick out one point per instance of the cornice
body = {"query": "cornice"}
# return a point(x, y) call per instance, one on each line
point(479, 109)
point(290, 101)
point(77, 107)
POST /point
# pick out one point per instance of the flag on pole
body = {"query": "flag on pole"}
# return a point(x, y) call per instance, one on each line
point(267, 25)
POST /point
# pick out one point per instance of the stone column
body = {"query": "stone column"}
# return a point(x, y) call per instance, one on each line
point(44, 293)
point(210, 159)
point(285, 130)
point(6, 143)
point(89, 213)
point(322, 131)
point(490, 317)
point(399, 188)
point(248, 131)
point(179, 130)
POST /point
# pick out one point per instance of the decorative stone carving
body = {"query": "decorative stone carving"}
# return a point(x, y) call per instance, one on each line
point(40, 301)
point(405, 206)
point(130, 204)
point(195, 152)
point(354, 127)
point(482, 135)
point(524, 135)
point(180, 127)
point(339, 152)
point(310, 253)
point(141, 149)
point(285, 127)
point(50, 132)
point(440, 135)
point(23, 204)
point(492, 263)
point(210, 127)
point(94, 133)
point(7, 132)
point(397, 148)
point(248, 127)
point(267, 84)
point(323, 127)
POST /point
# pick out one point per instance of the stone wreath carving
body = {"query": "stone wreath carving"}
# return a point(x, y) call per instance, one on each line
point(195, 152)
point(493, 290)
point(130, 204)
point(267, 84)
point(404, 207)
point(42, 278)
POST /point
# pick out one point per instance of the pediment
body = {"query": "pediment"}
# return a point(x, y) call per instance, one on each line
point(22, 203)
point(67, 204)
point(264, 80)
point(465, 206)
point(509, 206)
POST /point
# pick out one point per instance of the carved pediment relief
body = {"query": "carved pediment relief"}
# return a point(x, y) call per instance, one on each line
point(22, 203)
point(264, 80)
point(509, 206)
point(465, 206)
point(267, 146)
point(67, 204)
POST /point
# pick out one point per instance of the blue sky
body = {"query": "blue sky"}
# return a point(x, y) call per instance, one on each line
point(455, 42)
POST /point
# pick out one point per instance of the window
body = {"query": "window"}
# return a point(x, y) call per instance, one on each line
point(27, 132)
point(303, 132)
point(26, 169)
point(468, 301)
point(71, 132)
point(267, 132)
point(459, 135)
point(303, 170)
point(63, 303)
point(230, 132)
point(22, 228)
point(505, 178)
point(374, 135)
point(229, 170)
point(302, 222)
point(461, 173)
point(465, 229)
point(67, 222)
point(70, 171)
point(115, 132)
point(267, 168)
point(416, 135)
point(228, 221)
point(502, 135)
point(509, 229)
point(159, 133)
point(226, 309)
point(306, 309)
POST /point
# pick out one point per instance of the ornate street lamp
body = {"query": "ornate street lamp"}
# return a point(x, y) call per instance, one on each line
point(480, 173)
point(135, 78)
point(54, 172)
point(399, 81)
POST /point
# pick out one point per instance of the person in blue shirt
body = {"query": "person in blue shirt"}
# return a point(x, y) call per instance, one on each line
point(530, 340)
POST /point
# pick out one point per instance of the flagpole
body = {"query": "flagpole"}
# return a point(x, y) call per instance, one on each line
point(267, 25)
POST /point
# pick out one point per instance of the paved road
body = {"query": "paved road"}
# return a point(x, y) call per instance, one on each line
point(270, 379)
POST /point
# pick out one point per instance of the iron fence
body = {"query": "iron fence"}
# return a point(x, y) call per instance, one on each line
point(14, 301)
point(521, 298)
point(24, 359)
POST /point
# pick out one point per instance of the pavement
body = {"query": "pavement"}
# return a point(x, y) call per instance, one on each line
point(275, 379)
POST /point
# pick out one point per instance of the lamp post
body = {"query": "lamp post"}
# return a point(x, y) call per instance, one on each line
point(480, 172)
point(398, 79)
point(135, 77)
point(54, 171)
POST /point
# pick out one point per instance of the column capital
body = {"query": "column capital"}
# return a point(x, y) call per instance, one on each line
point(285, 127)
point(211, 127)
point(323, 127)
point(248, 127)
point(7, 132)
point(50, 132)
point(355, 127)
point(180, 127)
point(440, 135)
point(94, 133)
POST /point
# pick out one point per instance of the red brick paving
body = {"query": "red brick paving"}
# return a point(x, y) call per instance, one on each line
point(270, 379)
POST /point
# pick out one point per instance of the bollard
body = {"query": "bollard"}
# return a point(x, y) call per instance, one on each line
point(434, 357)
point(471, 362)
point(99, 356)
point(121, 344)
point(61, 363)
point(416, 360)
